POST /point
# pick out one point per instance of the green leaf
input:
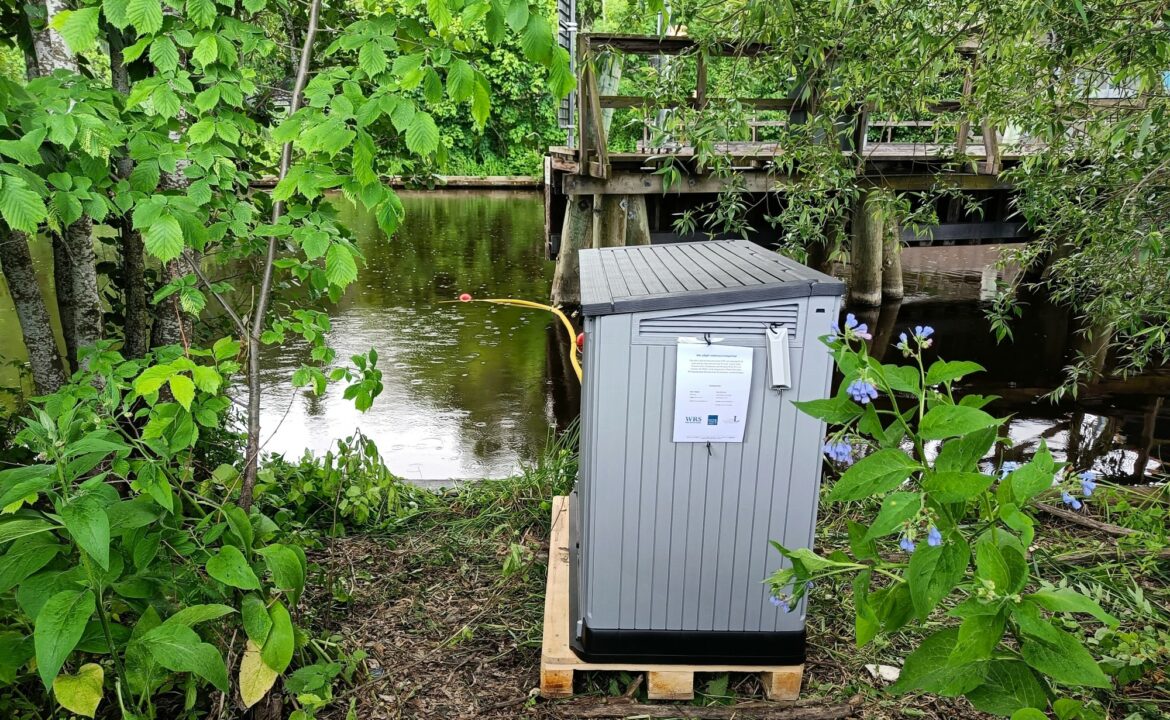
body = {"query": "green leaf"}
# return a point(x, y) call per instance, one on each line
point(439, 14)
point(1031, 479)
point(1067, 600)
point(164, 238)
point(183, 389)
point(372, 59)
point(207, 99)
point(537, 40)
point(866, 624)
point(896, 509)
point(206, 379)
point(164, 54)
point(874, 474)
point(944, 421)
point(422, 136)
point(178, 648)
point(517, 14)
point(79, 28)
point(80, 693)
point(991, 565)
point(278, 649)
point(285, 566)
point(963, 454)
point(257, 624)
point(196, 614)
point(950, 487)
point(561, 79)
point(481, 104)
point(834, 411)
point(935, 571)
point(15, 529)
point(1063, 658)
point(1029, 713)
point(230, 568)
point(460, 80)
point(978, 636)
point(201, 12)
point(86, 520)
point(942, 371)
point(152, 378)
point(58, 628)
point(145, 15)
point(25, 557)
point(927, 669)
point(20, 206)
point(1009, 686)
point(340, 267)
point(115, 11)
point(206, 50)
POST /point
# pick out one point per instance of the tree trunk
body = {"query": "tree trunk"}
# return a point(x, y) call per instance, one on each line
point(260, 313)
point(74, 261)
point(35, 325)
point(136, 323)
point(66, 303)
point(171, 326)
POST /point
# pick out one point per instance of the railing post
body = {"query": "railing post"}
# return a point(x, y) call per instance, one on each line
point(865, 256)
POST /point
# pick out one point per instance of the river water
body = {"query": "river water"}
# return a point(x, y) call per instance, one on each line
point(475, 391)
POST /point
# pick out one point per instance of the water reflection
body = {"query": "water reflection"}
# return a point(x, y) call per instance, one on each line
point(470, 389)
point(1118, 428)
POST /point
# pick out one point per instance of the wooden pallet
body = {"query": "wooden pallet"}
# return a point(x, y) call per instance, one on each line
point(663, 682)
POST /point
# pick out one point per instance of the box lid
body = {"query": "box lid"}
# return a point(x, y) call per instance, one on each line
point(695, 274)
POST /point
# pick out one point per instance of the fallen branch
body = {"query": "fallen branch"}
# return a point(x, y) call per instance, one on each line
point(1083, 520)
point(1082, 558)
point(800, 710)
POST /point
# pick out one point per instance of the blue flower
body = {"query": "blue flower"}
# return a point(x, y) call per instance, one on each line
point(781, 603)
point(1008, 468)
point(933, 537)
point(906, 544)
point(862, 391)
point(850, 321)
point(923, 331)
point(1069, 500)
point(840, 451)
point(1088, 482)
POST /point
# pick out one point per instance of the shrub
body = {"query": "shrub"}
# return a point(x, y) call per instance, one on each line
point(947, 534)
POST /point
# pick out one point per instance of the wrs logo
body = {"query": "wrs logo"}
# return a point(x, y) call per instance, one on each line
point(693, 420)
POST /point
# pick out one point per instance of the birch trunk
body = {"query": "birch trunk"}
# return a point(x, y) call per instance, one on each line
point(74, 260)
point(35, 325)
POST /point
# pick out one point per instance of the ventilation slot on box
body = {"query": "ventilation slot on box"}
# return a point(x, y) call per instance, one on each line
point(729, 324)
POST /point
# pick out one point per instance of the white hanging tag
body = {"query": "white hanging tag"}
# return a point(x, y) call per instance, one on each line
point(779, 363)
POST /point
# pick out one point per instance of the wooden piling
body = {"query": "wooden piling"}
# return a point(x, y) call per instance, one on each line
point(892, 260)
point(576, 233)
point(865, 285)
point(637, 220)
point(609, 220)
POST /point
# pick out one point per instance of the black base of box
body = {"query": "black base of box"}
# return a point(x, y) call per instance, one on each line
point(716, 647)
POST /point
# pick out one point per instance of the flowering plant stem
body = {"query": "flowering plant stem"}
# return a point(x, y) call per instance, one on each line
point(962, 530)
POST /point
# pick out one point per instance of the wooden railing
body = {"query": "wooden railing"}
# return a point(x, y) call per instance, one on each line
point(593, 153)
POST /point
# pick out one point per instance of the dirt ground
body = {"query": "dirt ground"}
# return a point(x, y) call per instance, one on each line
point(449, 637)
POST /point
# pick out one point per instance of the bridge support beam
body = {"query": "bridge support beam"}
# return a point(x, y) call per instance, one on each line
point(892, 260)
point(576, 233)
point(865, 285)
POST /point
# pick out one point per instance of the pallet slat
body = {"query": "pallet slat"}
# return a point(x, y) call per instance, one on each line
point(558, 662)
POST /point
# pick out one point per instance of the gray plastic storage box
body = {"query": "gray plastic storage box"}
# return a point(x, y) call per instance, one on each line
point(670, 539)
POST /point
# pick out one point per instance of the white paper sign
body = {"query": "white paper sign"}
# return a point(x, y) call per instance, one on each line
point(711, 389)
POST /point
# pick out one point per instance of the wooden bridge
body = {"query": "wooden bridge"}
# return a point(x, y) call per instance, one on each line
point(599, 193)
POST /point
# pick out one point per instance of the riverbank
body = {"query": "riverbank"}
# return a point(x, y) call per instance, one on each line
point(444, 182)
point(448, 605)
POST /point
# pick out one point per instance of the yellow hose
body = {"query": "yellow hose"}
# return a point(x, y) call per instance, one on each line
point(573, 350)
